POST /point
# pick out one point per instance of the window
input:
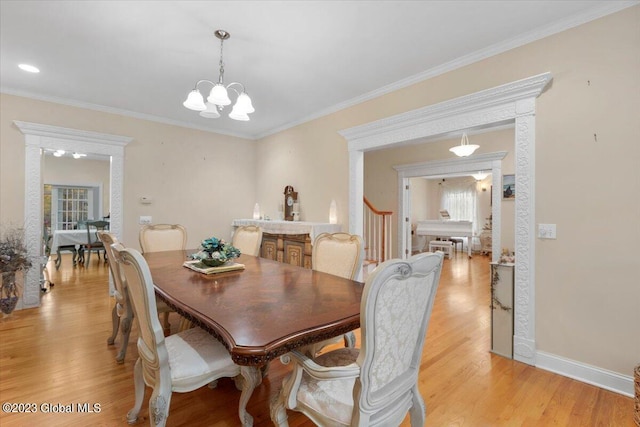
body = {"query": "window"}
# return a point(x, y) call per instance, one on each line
point(69, 206)
point(459, 197)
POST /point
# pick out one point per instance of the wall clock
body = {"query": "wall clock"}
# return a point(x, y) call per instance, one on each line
point(290, 197)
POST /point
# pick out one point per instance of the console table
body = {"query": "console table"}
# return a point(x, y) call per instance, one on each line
point(288, 241)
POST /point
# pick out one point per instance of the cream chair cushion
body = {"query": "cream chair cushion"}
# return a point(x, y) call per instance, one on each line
point(339, 254)
point(332, 398)
point(248, 239)
point(193, 355)
point(162, 237)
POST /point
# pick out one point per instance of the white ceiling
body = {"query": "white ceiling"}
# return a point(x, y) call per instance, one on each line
point(298, 59)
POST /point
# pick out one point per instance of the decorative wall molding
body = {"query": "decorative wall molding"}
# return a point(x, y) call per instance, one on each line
point(509, 103)
point(599, 377)
point(38, 137)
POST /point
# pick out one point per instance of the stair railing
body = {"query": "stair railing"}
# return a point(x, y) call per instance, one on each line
point(377, 234)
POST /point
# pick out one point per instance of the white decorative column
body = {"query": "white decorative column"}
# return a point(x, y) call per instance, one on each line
point(524, 349)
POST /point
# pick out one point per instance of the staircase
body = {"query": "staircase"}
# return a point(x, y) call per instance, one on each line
point(376, 236)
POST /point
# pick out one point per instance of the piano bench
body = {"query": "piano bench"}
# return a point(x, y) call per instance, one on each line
point(445, 246)
point(456, 241)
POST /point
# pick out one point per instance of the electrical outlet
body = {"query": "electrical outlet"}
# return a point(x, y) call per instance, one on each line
point(546, 231)
point(145, 220)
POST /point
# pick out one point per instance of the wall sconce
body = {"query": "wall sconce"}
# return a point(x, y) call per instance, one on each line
point(256, 211)
point(333, 213)
point(484, 187)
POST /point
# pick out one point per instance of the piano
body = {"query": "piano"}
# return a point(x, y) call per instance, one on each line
point(446, 228)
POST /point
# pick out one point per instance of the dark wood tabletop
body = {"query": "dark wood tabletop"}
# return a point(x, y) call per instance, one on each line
point(263, 311)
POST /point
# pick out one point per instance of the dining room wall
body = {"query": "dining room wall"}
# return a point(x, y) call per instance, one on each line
point(70, 171)
point(199, 179)
point(586, 158)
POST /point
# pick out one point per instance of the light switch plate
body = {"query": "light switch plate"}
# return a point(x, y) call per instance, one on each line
point(145, 220)
point(546, 231)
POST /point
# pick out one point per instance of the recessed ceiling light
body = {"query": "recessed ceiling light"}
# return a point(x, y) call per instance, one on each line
point(29, 68)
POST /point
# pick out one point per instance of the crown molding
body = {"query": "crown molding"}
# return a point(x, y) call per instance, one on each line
point(479, 55)
point(118, 111)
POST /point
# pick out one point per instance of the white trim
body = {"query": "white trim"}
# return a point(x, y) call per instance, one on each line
point(120, 112)
point(39, 136)
point(608, 380)
point(510, 103)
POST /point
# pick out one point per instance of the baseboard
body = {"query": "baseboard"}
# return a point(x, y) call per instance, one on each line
point(599, 377)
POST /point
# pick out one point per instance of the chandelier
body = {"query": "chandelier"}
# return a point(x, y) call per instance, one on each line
point(219, 96)
point(480, 176)
point(464, 149)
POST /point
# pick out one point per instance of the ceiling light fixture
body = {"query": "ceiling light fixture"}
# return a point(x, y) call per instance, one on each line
point(78, 155)
point(480, 176)
point(218, 97)
point(28, 68)
point(58, 153)
point(464, 149)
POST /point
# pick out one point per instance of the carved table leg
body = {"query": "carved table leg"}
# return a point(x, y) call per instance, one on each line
point(252, 378)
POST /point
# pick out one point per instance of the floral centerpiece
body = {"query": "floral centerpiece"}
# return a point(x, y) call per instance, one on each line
point(215, 252)
point(13, 258)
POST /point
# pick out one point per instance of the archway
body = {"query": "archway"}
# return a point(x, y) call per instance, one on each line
point(510, 103)
point(39, 137)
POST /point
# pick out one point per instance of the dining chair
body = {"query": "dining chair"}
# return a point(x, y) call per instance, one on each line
point(248, 239)
point(162, 237)
point(339, 254)
point(377, 384)
point(93, 243)
point(182, 362)
point(122, 313)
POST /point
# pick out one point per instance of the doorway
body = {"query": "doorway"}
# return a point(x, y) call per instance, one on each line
point(39, 137)
point(511, 103)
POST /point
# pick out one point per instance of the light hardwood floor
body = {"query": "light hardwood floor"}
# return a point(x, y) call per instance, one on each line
point(58, 355)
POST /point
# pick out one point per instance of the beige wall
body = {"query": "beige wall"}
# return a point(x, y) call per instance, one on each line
point(70, 171)
point(199, 179)
point(586, 283)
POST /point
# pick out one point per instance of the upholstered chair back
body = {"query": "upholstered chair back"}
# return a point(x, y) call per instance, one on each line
point(162, 237)
point(395, 312)
point(339, 254)
point(248, 239)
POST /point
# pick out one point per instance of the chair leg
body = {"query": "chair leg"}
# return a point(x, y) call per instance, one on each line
point(166, 325)
point(278, 412)
point(159, 403)
point(59, 259)
point(138, 382)
point(115, 320)
point(87, 262)
point(126, 331)
point(418, 410)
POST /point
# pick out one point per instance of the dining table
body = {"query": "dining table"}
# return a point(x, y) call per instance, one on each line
point(260, 312)
point(72, 240)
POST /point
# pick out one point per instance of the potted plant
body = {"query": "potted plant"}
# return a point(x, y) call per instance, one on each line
point(13, 258)
point(215, 252)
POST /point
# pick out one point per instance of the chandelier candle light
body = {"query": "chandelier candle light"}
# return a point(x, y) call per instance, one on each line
point(464, 149)
point(219, 97)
